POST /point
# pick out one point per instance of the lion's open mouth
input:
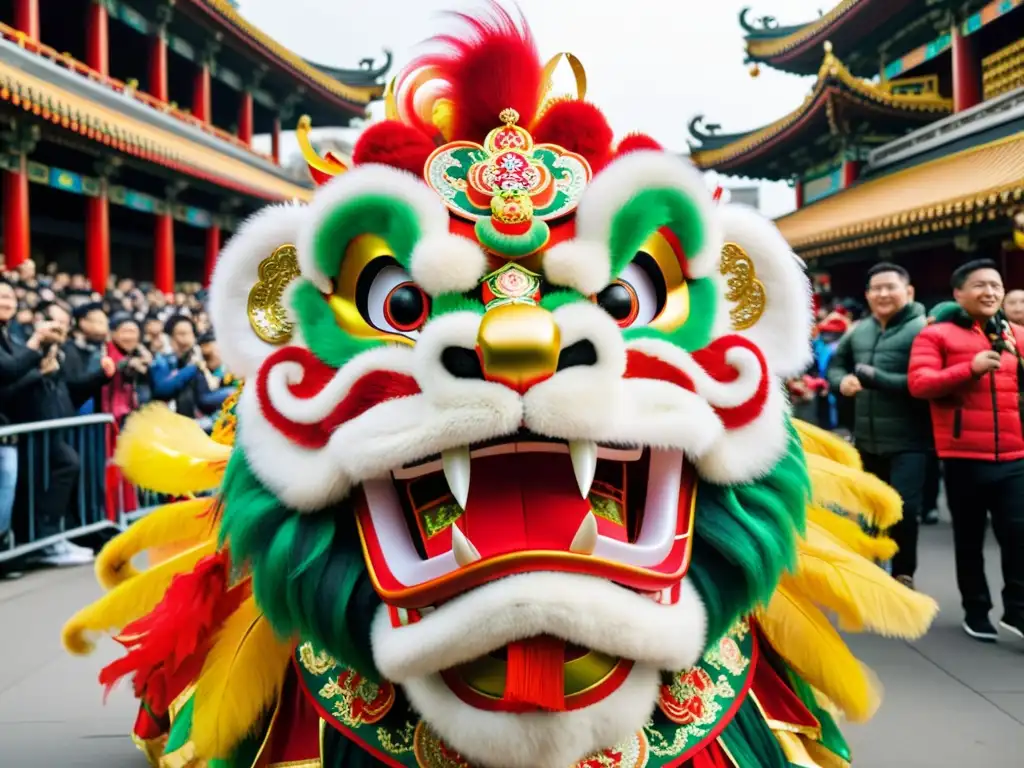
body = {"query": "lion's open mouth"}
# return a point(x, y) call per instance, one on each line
point(528, 504)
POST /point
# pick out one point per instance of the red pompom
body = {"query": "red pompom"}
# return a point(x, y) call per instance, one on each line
point(579, 127)
point(635, 142)
point(395, 144)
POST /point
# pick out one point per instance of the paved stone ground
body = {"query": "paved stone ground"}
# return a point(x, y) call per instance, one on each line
point(951, 701)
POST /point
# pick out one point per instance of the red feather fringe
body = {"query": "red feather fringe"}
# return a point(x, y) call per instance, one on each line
point(635, 142)
point(167, 647)
point(395, 144)
point(491, 66)
point(579, 127)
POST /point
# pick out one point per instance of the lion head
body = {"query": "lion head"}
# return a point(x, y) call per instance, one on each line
point(515, 437)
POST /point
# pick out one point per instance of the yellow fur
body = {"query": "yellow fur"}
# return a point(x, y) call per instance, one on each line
point(184, 521)
point(854, 491)
point(813, 648)
point(821, 442)
point(861, 594)
point(168, 453)
point(129, 601)
point(241, 678)
point(851, 535)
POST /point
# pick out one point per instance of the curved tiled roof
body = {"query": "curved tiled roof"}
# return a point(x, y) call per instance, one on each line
point(360, 93)
point(833, 79)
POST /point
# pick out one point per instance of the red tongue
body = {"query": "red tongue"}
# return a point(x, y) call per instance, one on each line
point(536, 673)
point(523, 501)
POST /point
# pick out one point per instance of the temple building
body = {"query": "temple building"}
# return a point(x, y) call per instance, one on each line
point(909, 146)
point(128, 131)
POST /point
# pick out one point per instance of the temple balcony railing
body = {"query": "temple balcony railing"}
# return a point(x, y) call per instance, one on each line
point(985, 116)
point(129, 89)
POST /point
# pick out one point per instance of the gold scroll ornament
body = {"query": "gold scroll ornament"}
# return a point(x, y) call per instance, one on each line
point(267, 314)
point(744, 290)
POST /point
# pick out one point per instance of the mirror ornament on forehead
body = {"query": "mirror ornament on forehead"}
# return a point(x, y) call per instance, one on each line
point(267, 314)
point(745, 291)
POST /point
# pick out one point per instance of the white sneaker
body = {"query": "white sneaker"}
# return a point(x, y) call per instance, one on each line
point(58, 556)
point(80, 551)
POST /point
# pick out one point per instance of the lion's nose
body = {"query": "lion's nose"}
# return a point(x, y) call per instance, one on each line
point(518, 345)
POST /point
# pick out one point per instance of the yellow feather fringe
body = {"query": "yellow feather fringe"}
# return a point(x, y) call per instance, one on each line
point(129, 601)
point(861, 594)
point(168, 453)
point(184, 521)
point(814, 649)
point(855, 491)
point(823, 443)
point(241, 678)
point(849, 533)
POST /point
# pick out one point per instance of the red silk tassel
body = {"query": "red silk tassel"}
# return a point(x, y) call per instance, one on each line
point(536, 673)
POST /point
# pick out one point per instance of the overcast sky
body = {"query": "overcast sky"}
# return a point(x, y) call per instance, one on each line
point(651, 64)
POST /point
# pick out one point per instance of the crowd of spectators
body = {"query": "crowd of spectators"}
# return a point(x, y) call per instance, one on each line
point(68, 350)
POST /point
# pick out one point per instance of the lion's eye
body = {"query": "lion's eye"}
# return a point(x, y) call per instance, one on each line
point(394, 303)
point(638, 296)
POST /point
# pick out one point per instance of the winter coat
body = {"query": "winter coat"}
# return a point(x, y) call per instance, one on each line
point(887, 419)
point(974, 418)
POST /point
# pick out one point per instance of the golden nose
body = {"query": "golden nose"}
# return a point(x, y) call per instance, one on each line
point(518, 345)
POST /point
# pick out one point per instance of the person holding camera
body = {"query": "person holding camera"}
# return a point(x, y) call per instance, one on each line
point(129, 387)
point(175, 376)
point(967, 364)
point(891, 429)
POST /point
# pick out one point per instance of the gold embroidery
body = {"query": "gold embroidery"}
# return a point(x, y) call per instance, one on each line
point(267, 314)
point(316, 663)
point(359, 701)
point(745, 291)
point(727, 655)
point(632, 752)
point(431, 752)
point(397, 741)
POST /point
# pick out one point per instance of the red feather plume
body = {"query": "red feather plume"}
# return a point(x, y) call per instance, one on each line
point(492, 65)
point(395, 144)
point(167, 647)
point(579, 127)
point(635, 142)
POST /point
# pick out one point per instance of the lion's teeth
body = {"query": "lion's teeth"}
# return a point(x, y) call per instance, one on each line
point(463, 549)
point(585, 540)
point(456, 471)
point(584, 463)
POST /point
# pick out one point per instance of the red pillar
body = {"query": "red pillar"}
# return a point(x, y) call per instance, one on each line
point(97, 244)
point(851, 172)
point(17, 241)
point(158, 66)
point(245, 118)
point(798, 190)
point(212, 252)
point(201, 106)
point(97, 51)
point(26, 17)
point(163, 266)
point(275, 141)
point(966, 72)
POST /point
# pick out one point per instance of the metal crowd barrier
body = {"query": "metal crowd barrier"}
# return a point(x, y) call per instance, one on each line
point(87, 512)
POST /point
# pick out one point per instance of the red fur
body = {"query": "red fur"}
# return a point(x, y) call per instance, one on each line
point(370, 390)
point(167, 647)
point(491, 65)
point(635, 142)
point(579, 127)
point(395, 144)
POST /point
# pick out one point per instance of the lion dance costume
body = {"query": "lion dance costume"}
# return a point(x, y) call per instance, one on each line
point(515, 483)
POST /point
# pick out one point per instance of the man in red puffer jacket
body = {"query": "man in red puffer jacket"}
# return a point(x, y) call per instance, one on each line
point(967, 364)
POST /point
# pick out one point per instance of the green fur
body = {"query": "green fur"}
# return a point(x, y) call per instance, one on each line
point(447, 303)
point(750, 741)
point(308, 572)
point(746, 537)
point(561, 298)
point(646, 213)
point(512, 246)
point(391, 219)
point(695, 333)
point(320, 329)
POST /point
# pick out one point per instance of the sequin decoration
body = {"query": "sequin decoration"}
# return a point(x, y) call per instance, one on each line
point(267, 314)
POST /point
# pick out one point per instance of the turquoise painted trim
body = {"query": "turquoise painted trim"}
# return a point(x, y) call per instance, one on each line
point(823, 186)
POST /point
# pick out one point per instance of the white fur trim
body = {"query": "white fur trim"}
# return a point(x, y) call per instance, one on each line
point(750, 452)
point(447, 264)
point(372, 179)
point(237, 272)
point(637, 171)
point(589, 611)
point(783, 332)
point(585, 266)
point(501, 740)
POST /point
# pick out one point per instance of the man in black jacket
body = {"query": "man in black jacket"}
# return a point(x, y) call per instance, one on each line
point(892, 430)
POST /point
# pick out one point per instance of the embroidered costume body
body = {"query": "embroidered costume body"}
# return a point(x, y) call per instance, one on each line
point(515, 483)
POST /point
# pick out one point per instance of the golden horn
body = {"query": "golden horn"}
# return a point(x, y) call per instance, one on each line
point(579, 73)
point(390, 103)
point(326, 166)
